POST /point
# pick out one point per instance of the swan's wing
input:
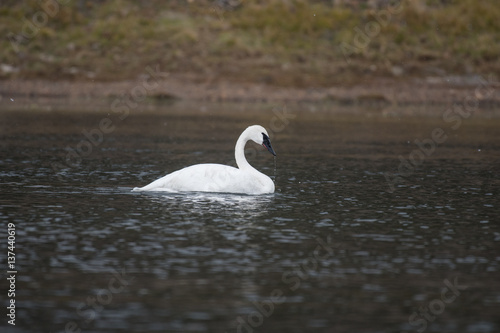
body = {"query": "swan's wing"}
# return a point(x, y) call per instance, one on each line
point(200, 177)
point(205, 178)
point(212, 178)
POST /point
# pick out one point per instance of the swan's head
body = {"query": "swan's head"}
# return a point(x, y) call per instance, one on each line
point(259, 135)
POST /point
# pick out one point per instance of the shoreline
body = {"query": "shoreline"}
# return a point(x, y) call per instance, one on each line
point(380, 92)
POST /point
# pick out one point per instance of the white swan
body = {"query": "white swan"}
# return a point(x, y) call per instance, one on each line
point(221, 178)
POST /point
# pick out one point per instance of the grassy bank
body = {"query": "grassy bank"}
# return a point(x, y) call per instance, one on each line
point(281, 42)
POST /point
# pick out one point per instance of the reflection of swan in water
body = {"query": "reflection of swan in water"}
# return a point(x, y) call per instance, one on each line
point(225, 206)
point(221, 178)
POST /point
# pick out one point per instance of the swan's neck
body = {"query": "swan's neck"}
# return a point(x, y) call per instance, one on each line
point(239, 153)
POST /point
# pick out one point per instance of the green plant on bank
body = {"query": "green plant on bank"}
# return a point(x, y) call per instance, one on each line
point(282, 42)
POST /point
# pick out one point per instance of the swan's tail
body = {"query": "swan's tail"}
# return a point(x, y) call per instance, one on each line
point(157, 185)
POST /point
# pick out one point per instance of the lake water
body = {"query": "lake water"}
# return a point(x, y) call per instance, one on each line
point(355, 239)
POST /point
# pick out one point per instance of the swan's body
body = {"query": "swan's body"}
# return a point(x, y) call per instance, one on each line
point(221, 178)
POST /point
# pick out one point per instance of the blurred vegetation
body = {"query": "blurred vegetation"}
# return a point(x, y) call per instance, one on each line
point(281, 42)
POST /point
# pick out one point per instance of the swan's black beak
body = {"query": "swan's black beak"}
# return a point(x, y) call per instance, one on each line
point(267, 143)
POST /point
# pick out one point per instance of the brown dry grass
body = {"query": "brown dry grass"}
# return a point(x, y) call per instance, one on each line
point(291, 43)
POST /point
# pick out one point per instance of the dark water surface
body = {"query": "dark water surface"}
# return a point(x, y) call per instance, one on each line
point(346, 244)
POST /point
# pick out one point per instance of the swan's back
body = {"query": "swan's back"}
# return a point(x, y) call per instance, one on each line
point(212, 178)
